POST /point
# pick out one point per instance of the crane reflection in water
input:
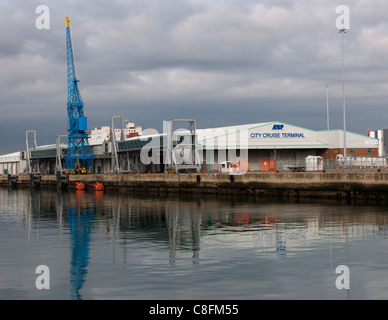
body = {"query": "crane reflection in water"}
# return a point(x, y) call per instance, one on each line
point(80, 219)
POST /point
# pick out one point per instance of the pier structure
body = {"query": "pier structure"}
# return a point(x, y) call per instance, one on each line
point(290, 185)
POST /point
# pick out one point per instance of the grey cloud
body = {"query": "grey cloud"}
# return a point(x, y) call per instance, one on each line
point(222, 62)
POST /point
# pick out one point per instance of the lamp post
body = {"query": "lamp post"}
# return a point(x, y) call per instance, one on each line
point(327, 106)
point(343, 31)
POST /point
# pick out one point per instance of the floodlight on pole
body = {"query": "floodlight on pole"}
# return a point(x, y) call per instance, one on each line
point(342, 32)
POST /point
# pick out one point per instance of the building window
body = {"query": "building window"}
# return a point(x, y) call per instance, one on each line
point(369, 150)
point(351, 150)
point(335, 151)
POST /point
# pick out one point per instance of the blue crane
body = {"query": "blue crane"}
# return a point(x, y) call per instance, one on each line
point(78, 149)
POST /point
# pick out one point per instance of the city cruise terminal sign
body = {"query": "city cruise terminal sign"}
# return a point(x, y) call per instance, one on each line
point(278, 133)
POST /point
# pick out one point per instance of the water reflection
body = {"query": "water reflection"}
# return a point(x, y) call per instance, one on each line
point(154, 237)
point(80, 219)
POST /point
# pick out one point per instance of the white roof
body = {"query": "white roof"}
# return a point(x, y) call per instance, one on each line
point(10, 157)
point(264, 135)
point(276, 134)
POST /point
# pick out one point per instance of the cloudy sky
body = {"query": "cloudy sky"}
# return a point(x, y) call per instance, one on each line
point(222, 62)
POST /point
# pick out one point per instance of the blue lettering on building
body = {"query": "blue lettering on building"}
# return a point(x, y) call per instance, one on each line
point(255, 135)
point(278, 127)
point(271, 135)
point(292, 135)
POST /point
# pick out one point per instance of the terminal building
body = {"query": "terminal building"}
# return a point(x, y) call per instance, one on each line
point(252, 147)
point(288, 144)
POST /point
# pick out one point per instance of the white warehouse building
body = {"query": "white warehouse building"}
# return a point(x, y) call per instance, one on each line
point(254, 147)
point(285, 142)
point(13, 163)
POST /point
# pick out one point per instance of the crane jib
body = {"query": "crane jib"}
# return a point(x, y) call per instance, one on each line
point(78, 151)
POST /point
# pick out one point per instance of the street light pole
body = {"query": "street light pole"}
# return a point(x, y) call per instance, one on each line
point(327, 106)
point(343, 31)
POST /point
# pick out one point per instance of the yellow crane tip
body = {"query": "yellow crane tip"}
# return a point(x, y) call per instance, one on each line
point(67, 22)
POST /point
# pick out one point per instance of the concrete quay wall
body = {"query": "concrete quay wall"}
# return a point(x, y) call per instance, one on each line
point(348, 185)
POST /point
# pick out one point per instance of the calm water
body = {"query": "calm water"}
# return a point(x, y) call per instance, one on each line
point(119, 246)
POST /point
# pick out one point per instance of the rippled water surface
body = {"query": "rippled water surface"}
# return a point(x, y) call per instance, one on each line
point(121, 246)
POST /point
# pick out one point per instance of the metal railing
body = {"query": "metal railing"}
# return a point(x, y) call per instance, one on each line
point(332, 165)
point(352, 164)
